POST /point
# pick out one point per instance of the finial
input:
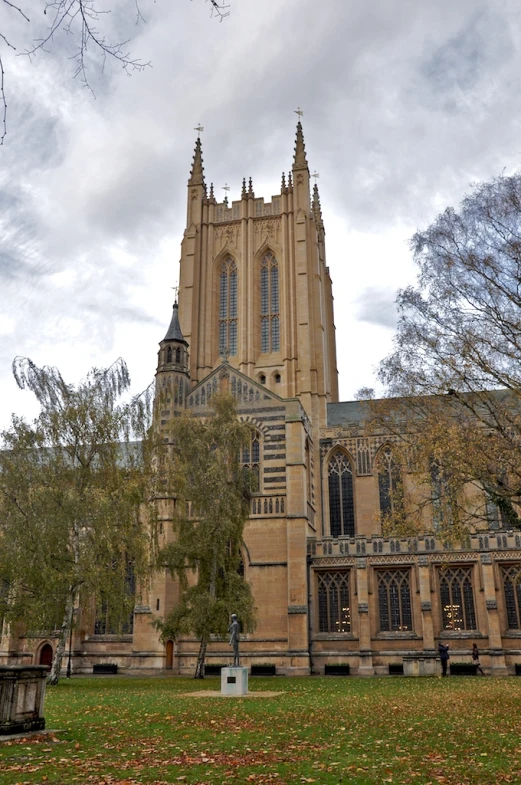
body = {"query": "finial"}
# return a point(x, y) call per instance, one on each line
point(290, 180)
point(244, 192)
point(250, 189)
point(212, 196)
point(283, 183)
point(299, 159)
point(197, 171)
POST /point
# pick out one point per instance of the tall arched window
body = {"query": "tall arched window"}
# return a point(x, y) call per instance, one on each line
point(457, 599)
point(250, 458)
point(390, 489)
point(228, 308)
point(341, 500)
point(270, 326)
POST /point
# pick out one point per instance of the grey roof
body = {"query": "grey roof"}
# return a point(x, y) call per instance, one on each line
point(346, 413)
point(174, 331)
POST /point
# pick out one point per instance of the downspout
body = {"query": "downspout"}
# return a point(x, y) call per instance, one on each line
point(310, 641)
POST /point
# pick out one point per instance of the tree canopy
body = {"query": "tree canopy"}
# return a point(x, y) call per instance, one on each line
point(456, 364)
point(71, 484)
point(212, 500)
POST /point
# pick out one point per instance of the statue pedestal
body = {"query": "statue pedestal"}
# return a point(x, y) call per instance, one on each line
point(234, 681)
point(22, 690)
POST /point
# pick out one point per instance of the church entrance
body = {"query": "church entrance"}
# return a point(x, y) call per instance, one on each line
point(169, 655)
point(46, 654)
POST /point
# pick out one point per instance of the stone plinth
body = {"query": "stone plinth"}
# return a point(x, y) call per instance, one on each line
point(234, 681)
point(22, 691)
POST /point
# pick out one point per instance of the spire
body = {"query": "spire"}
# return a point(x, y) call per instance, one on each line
point(174, 331)
point(197, 171)
point(244, 193)
point(299, 159)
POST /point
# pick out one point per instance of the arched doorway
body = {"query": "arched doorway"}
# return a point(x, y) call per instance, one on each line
point(46, 654)
point(169, 655)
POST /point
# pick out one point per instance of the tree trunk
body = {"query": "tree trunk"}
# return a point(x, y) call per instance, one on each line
point(201, 657)
point(65, 629)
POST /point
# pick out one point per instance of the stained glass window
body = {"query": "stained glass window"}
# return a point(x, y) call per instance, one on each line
point(394, 600)
point(341, 498)
point(334, 612)
point(457, 599)
point(512, 589)
point(228, 308)
point(270, 331)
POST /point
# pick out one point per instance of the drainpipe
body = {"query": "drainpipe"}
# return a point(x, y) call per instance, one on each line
point(310, 642)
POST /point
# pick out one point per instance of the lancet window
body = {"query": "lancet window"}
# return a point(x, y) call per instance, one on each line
point(394, 600)
point(341, 496)
point(334, 611)
point(457, 599)
point(270, 324)
point(250, 458)
point(512, 589)
point(228, 308)
point(390, 487)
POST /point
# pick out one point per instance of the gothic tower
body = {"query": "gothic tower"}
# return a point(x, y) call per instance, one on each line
point(255, 288)
point(172, 375)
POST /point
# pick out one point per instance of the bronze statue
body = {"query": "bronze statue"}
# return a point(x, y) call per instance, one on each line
point(233, 629)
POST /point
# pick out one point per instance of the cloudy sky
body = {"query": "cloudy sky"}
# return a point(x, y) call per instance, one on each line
point(406, 102)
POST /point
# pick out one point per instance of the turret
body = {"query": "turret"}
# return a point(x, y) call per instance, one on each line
point(196, 187)
point(173, 375)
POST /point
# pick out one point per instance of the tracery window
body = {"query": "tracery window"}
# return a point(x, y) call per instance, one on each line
point(250, 458)
point(457, 599)
point(228, 308)
point(512, 589)
point(103, 624)
point(341, 497)
point(493, 513)
point(270, 325)
point(394, 600)
point(334, 612)
point(390, 487)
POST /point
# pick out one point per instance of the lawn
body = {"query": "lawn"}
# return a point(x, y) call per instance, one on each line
point(120, 730)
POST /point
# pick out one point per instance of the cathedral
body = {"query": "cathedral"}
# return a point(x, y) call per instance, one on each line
point(255, 318)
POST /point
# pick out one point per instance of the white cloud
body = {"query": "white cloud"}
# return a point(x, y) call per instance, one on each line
point(405, 104)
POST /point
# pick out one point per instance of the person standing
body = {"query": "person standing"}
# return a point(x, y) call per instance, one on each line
point(475, 659)
point(444, 657)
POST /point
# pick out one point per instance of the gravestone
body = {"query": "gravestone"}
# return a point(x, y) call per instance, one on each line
point(22, 692)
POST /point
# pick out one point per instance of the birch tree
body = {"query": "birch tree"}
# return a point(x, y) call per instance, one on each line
point(212, 500)
point(71, 484)
point(454, 377)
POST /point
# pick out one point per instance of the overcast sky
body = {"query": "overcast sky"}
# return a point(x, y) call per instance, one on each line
point(406, 102)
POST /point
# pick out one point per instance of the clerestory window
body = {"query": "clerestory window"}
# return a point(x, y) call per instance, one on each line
point(341, 497)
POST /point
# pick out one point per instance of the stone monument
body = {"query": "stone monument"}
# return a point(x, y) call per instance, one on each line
point(234, 680)
point(22, 691)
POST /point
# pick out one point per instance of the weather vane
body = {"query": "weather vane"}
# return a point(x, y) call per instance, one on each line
point(199, 128)
point(226, 188)
point(315, 175)
point(176, 291)
point(298, 111)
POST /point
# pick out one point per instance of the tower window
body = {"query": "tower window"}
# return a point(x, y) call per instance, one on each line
point(270, 330)
point(228, 308)
point(341, 497)
point(262, 379)
point(390, 488)
point(277, 378)
point(169, 354)
point(178, 355)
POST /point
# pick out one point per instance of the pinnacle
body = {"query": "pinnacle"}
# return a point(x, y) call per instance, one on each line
point(174, 331)
point(244, 192)
point(299, 159)
point(197, 170)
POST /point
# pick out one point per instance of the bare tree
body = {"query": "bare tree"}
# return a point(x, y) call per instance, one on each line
point(455, 370)
point(82, 20)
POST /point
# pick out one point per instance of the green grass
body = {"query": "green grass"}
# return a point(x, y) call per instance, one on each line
point(324, 730)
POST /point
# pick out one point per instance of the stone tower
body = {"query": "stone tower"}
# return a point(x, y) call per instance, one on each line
point(255, 288)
